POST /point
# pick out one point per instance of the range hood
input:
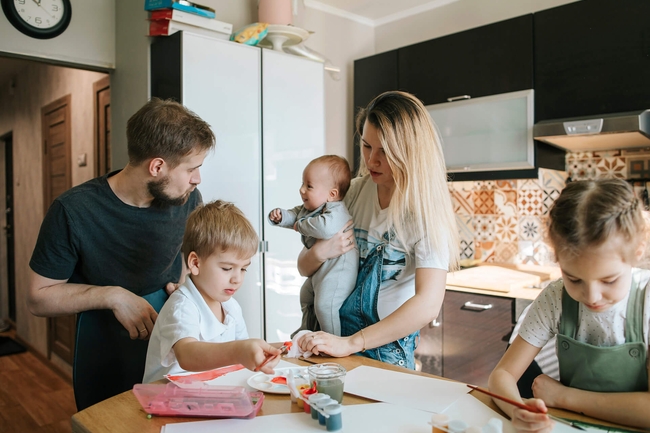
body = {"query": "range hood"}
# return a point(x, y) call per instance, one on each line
point(596, 133)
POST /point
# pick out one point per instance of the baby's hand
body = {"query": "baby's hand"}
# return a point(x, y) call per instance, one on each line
point(530, 422)
point(276, 216)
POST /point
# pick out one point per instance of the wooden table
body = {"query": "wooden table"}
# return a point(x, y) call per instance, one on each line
point(123, 413)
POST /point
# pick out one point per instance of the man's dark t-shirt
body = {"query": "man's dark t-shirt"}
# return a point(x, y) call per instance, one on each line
point(89, 236)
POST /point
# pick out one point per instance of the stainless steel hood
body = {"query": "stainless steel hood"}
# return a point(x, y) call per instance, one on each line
point(594, 133)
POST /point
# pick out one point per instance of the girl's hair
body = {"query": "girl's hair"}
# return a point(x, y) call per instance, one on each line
point(168, 130)
point(421, 203)
point(339, 169)
point(589, 212)
point(219, 226)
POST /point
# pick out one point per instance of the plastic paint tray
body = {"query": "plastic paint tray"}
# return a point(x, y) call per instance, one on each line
point(214, 402)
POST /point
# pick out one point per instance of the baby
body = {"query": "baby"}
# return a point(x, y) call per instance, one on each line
point(325, 182)
point(201, 326)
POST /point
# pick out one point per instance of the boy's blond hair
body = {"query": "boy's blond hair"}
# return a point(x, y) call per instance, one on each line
point(219, 226)
point(339, 169)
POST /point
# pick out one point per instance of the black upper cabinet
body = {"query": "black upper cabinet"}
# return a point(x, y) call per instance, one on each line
point(592, 57)
point(488, 60)
point(373, 76)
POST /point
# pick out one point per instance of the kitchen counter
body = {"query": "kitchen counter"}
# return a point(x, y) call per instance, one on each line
point(521, 293)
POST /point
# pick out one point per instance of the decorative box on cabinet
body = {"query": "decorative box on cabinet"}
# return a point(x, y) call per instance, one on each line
point(266, 110)
point(592, 57)
point(469, 338)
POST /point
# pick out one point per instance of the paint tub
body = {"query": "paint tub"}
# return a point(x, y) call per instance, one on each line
point(329, 378)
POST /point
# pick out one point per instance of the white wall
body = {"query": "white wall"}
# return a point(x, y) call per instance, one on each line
point(341, 41)
point(89, 40)
point(454, 17)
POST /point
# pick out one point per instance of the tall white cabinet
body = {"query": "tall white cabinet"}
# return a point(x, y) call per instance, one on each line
point(266, 109)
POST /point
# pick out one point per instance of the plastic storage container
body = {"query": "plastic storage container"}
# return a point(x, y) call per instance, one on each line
point(215, 402)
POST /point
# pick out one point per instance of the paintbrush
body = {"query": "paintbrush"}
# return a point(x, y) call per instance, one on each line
point(284, 349)
point(524, 406)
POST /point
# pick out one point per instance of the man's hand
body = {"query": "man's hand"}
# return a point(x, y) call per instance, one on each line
point(135, 314)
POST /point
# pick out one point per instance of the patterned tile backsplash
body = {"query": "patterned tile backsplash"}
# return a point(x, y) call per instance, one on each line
point(503, 220)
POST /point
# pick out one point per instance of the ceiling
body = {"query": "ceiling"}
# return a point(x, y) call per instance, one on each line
point(376, 12)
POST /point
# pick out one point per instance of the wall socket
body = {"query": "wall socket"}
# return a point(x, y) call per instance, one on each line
point(82, 160)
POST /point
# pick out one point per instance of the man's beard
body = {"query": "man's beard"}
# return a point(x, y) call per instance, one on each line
point(161, 198)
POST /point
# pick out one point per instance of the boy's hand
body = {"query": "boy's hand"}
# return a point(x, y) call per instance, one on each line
point(253, 352)
point(525, 421)
point(276, 216)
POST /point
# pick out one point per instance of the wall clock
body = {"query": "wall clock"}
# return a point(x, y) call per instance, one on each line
point(41, 19)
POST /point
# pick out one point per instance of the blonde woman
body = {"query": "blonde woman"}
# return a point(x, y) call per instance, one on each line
point(404, 228)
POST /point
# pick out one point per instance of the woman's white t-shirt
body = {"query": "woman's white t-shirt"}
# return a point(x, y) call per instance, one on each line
point(185, 314)
point(398, 272)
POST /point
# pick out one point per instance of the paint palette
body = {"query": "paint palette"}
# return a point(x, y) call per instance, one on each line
point(277, 383)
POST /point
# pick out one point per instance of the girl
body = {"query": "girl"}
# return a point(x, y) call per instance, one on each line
point(405, 230)
point(598, 311)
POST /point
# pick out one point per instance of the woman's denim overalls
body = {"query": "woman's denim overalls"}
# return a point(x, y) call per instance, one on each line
point(360, 311)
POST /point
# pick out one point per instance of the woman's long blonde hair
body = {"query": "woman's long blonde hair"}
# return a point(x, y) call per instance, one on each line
point(421, 203)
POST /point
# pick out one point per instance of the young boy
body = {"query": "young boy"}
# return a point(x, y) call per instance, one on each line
point(201, 326)
point(325, 181)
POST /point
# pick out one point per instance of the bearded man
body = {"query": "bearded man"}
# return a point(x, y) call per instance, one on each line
point(110, 248)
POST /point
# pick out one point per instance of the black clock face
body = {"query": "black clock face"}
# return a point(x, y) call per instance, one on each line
point(42, 19)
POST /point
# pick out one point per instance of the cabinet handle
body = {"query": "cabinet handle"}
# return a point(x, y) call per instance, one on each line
point(469, 305)
point(458, 98)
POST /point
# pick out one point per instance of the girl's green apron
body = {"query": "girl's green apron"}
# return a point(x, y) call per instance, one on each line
point(619, 368)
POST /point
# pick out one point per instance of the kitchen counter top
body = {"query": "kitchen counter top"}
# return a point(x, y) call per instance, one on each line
point(521, 293)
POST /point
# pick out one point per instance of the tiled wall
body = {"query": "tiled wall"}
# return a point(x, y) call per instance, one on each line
point(503, 221)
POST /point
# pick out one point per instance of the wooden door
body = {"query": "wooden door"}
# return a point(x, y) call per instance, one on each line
point(102, 93)
point(57, 178)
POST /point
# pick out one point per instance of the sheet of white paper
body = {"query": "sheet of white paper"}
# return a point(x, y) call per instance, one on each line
point(403, 389)
point(471, 410)
point(236, 378)
point(374, 417)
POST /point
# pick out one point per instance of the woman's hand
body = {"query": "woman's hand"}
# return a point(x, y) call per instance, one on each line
point(525, 421)
point(322, 342)
point(337, 245)
point(310, 259)
point(549, 390)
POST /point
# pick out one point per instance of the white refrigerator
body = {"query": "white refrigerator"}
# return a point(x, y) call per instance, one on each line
point(266, 109)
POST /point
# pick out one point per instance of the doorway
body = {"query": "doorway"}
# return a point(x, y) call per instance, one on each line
point(102, 97)
point(9, 225)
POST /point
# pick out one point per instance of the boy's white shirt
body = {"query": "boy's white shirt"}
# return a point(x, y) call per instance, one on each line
point(604, 329)
point(186, 314)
